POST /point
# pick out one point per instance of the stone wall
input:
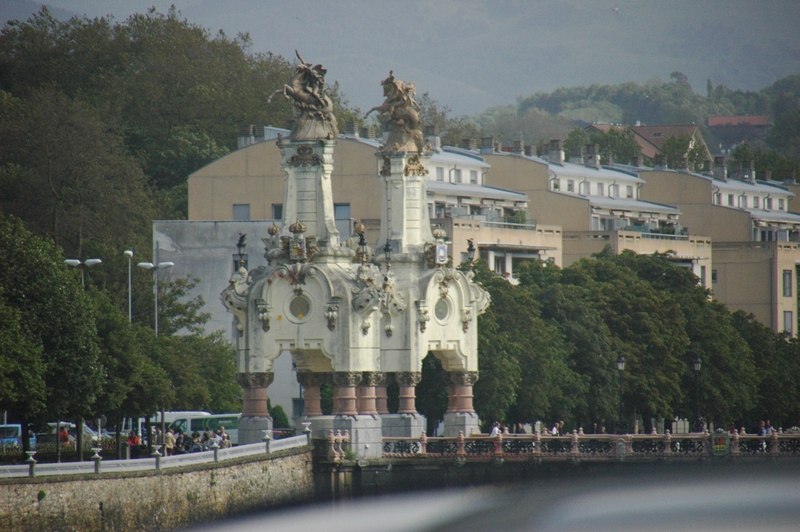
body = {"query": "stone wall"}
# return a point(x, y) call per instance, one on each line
point(155, 500)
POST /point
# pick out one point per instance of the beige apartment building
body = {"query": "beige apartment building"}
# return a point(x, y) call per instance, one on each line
point(754, 236)
point(596, 206)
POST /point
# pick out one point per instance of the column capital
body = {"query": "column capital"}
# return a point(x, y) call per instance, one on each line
point(460, 378)
point(347, 378)
point(408, 378)
point(310, 378)
point(255, 380)
point(373, 378)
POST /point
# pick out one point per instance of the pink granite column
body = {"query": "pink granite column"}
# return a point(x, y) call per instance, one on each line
point(381, 397)
point(459, 390)
point(366, 392)
point(407, 382)
point(311, 383)
point(346, 382)
point(254, 393)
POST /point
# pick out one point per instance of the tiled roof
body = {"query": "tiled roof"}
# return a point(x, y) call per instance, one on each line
point(714, 121)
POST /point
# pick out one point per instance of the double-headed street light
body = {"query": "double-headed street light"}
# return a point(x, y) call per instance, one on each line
point(82, 265)
point(621, 428)
point(696, 364)
point(155, 267)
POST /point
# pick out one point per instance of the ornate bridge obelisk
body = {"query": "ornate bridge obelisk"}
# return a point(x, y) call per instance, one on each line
point(426, 306)
point(316, 299)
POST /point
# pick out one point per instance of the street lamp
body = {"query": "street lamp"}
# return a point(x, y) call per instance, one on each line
point(128, 253)
point(387, 253)
point(241, 246)
point(82, 265)
point(621, 428)
point(697, 363)
point(155, 267)
point(470, 252)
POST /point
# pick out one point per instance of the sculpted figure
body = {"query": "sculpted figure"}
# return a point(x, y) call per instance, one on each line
point(306, 91)
point(402, 111)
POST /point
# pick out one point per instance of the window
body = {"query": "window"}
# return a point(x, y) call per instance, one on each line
point(613, 191)
point(341, 212)
point(703, 276)
point(755, 202)
point(743, 202)
point(584, 187)
point(601, 189)
point(629, 191)
point(787, 283)
point(768, 204)
point(241, 211)
point(730, 200)
point(570, 185)
point(473, 177)
point(439, 173)
point(556, 184)
point(656, 135)
point(713, 276)
point(499, 265)
point(780, 204)
point(277, 211)
point(717, 199)
point(457, 175)
point(788, 322)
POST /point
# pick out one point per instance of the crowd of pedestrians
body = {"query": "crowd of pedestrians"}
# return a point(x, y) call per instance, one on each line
point(176, 442)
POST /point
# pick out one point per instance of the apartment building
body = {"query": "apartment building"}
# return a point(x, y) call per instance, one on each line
point(754, 235)
point(597, 205)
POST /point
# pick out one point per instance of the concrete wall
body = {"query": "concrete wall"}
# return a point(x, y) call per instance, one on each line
point(693, 195)
point(514, 172)
point(253, 176)
point(749, 277)
point(206, 250)
point(154, 500)
point(547, 237)
point(696, 250)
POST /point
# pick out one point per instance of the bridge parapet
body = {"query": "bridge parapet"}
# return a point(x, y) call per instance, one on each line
point(597, 447)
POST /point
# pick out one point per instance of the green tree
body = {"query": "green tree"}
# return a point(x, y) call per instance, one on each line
point(616, 144)
point(52, 311)
point(576, 140)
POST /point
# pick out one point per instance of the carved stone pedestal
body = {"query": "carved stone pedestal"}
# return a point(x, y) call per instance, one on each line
point(366, 438)
point(403, 425)
point(466, 422)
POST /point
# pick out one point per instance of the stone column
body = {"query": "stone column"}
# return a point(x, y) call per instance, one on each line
point(366, 392)
point(311, 383)
point(254, 392)
point(255, 419)
point(459, 390)
point(346, 382)
point(381, 396)
point(407, 381)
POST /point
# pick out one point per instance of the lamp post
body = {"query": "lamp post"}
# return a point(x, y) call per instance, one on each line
point(241, 246)
point(155, 267)
point(470, 252)
point(129, 254)
point(697, 364)
point(82, 265)
point(387, 253)
point(621, 428)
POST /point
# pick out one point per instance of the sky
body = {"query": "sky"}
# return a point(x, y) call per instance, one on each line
point(474, 54)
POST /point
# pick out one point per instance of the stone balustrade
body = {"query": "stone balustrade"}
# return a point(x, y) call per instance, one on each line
point(598, 447)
